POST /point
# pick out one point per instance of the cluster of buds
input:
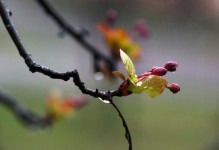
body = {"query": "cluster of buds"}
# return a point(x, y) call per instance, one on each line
point(58, 107)
point(150, 82)
point(117, 38)
point(170, 66)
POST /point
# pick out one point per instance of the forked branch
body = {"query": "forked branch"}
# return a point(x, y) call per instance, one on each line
point(29, 117)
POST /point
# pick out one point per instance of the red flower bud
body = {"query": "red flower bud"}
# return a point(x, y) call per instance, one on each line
point(152, 68)
point(111, 16)
point(77, 101)
point(173, 87)
point(124, 88)
point(171, 66)
point(159, 71)
point(141, 28)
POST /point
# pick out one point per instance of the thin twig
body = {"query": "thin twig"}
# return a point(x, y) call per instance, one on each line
point(76, 35)
point(127, 133)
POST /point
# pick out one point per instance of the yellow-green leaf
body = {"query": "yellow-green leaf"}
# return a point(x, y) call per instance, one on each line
point(119, 75)
point(133, 79)
point(134, 88)
point(129, 67)
point(153, 85)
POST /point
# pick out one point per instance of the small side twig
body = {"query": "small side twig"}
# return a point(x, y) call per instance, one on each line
point(127, 133)
point(27, 117)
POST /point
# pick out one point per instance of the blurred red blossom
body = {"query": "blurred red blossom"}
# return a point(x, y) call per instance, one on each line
point(118, 38)
point(58, 107)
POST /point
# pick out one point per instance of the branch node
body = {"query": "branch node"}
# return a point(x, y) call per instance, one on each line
point(9, 12)
point(96, 92)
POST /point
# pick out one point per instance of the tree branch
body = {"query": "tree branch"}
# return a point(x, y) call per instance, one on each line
point(27, 117)
point(76, 35)
point(34, 67)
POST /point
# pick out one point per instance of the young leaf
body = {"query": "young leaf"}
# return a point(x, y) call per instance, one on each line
point(119, 75)
point(129, 67)
point(133, 79)
point(153, 85)
point(134, 88)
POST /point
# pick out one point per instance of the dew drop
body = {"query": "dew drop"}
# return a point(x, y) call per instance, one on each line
point(104, 101)
point(98, 76)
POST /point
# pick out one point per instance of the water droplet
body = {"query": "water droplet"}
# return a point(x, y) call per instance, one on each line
point(98, 76)
point(104, 101)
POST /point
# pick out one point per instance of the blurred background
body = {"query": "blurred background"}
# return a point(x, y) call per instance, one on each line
point(181, 30)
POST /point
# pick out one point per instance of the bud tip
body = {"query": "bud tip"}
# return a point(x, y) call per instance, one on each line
point(171, 66)
point(159, 71)
point(173, 87)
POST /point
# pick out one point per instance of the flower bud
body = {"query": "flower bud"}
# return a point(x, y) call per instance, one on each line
point(171, 66)
point(124, 88)
point(152, 68)
point(111, 16)
point(173, 87)
point(76, 101)
point(141, 28)
point(159, 71)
